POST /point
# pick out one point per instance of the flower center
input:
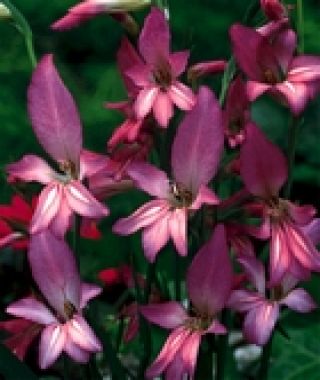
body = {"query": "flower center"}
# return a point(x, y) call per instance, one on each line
point(277, 209)
point(69, 309)
point(162, 75)
point(199, 323)
point(180, 196)
point(270, 77)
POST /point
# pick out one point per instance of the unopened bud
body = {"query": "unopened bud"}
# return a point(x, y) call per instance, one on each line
point(123, 5)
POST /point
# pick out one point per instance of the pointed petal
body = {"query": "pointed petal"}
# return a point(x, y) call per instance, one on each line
point(304, 68)
point(189, 353)
point(32, 310)
point(143, 217)
point(299, 300)
point(88, 291)
point(155, 237)
point(48, 205)
point(173, 344)
point(301, 215)
point(178, 62)
point(154, 40)
point(260, 322)
point(163, 109)
point(182, 96)
point(296, 95)
point(244, 300)
point(54, 269)
point(279, 255)
point(81, 334)
point(256, 89)
point(145, 101)
point(247, 47)
point(255, 272)
point(52, 341)
point(209, 278)
point(284, 45)
point(216, 328)
point(205, 196)
point(168, 315)
point(54, 114)
point(312, 230)
point(82, 202)
point(140, 75)
point(91, 163)
point(149, 179)
point(178, 230)
point(194, 161)
point(263, 166)
point(30, 168)
point(75, 352)
point(62, 220)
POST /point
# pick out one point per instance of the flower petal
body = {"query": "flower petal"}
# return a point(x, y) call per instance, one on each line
point(300, 301)
point(178, 230)
point(149, 179)
point(209, 278)
point(168, 315)
point(296, 95)
point(145, 101)
point(154, 40)
point(30, 168)
point(32, 310)
point(143, 217)
point(75, 352)
point(54, 269)
point(260, 322)
point(179, 61)
point(81, 334)
point(88, 291)
point(263, 166)
point(194, 161)
point(48, 206)
point(163, 109)
point(83, 202)
point(54, 115)
point(182, 96)
point(52, 342)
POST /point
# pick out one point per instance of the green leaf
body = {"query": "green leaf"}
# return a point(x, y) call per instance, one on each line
point(12, 368)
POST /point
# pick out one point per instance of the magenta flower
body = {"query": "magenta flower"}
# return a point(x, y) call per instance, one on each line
point(263, 169)
point(262, 312)
point(206, 68)
point(157, 76)
point(209, 283)
point(64, 329)
point(89, 9)
point(57, 126)
point(271, 67)
point(195, 156)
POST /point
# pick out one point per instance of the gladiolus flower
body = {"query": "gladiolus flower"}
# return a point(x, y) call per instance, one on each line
point(195, 156)
point(89, 9)
point(263, 169)
point(57, 126)
point(272, 68)
point(262, 313)
point(157, 76)
point(64, 329)
point(209, 283)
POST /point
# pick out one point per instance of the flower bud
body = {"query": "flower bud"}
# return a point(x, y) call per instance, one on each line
point(123, 5)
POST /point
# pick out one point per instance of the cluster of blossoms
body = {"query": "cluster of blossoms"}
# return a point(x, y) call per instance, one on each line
point(212, 142)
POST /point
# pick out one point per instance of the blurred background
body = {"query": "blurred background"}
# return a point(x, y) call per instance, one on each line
point(85, 57)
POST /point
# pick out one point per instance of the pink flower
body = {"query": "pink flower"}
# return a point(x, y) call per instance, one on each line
point(89, 9)
point(236, 113)
point(64, 328)
point(131, 128)
point(262, 312)
point(263, 170)
point(206, 68)
point(195, 157)
point(157, 76)
point(273, 9)
point(57, 126)
point(209, 283)
point(271, 67)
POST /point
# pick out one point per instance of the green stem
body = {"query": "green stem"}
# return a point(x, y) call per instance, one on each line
point(292, 146)
point(177, 277)
point(222, 349)
point(265, 360)
point(23, 27)
point(300, 26)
